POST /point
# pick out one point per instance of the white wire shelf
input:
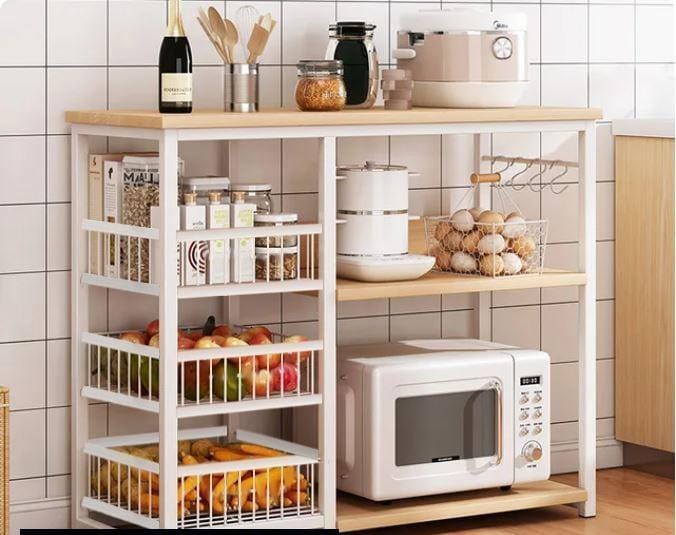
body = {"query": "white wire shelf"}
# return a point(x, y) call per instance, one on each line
point(255, 481)
point(214, 380)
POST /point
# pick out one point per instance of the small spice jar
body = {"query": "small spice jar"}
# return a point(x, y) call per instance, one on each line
point(276, 220)
point(275, 264)
point(258, 194)
point(320, 86)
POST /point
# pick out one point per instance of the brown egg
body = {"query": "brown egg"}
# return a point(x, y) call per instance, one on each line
point(476, 212)
point(513, 214)
point(471, 240)
point(453, 240)
point(440, 231)
point(523, 246)
point(491, 265)
point(443, 261)
point(492, 222)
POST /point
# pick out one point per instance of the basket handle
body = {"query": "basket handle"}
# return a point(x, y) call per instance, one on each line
point(480, 178)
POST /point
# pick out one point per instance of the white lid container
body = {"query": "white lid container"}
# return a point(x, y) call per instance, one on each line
point(372, 187)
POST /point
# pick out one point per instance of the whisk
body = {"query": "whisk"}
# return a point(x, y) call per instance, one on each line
point(245, 17)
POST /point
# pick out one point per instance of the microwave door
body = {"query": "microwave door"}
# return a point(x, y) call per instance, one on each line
point(448, 436)
point(447, 427)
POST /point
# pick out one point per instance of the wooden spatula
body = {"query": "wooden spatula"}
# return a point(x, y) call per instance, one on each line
point(257, 41)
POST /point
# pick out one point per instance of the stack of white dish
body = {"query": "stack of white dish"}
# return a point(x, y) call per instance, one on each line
point(372, 230)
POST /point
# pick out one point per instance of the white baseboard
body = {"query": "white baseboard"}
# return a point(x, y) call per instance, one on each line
point(565, 455)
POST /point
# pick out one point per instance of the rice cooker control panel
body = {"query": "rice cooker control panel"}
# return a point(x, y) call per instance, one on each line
point(502, 48)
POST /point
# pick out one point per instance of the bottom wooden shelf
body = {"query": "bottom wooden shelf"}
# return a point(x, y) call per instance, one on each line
point(356, 513)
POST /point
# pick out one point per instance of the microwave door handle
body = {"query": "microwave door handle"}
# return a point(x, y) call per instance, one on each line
point(499, 407)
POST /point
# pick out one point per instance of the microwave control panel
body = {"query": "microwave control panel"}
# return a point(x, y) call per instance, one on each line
point(531, 440)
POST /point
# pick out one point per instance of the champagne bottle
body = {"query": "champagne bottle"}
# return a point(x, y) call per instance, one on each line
point(175, 66)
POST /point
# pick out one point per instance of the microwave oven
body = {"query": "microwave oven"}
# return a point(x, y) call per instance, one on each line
point(435, 416)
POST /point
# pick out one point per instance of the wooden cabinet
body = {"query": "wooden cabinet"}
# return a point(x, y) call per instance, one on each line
point(644, 278)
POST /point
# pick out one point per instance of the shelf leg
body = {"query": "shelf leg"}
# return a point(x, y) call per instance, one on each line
point(482, 197)
point(79, 323)
point(587, 319)
point(169, 324)
point(327, 329)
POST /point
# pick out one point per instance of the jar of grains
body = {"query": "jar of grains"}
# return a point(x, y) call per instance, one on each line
point(320, 85)
point(258, 194)
point(276, 220)
point(276, 263)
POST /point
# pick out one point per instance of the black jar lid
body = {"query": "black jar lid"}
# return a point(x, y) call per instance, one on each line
point(351, 28)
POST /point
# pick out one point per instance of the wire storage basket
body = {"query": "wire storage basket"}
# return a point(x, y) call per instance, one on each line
point(4, 460)
point(492, 249)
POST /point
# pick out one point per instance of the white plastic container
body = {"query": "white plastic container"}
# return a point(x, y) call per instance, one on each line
point(218, 263)
point(242, 257)
point(194, 259)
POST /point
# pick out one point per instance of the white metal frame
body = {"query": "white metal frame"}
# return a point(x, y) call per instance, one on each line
point(169, 293)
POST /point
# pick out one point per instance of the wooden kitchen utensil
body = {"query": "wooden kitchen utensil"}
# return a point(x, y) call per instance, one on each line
point(232, 37)
point(257, 41)
point(218, 26)
point(203, 19)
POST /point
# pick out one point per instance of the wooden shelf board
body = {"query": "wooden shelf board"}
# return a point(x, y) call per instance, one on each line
point(292, 117)
point(437, 283)
point(356, 513)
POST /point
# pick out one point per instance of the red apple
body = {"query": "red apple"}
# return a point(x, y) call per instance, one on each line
point(284, 378)
point(185, 343)
point(222, 330)
point(268, 361)
point(256, 380)
point(190, 379)
point(252, 331)
point(293, 358)
point(153, 328)
point(135, 337)
point(195, 334)
point(220, 340)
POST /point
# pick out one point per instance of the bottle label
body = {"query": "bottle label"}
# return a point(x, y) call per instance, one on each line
point(176, 87)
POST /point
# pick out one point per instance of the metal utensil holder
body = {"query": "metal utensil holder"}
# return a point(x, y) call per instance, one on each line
point(241, 87)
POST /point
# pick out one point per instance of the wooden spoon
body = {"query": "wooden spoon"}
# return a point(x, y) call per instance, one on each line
point(213, 38)
point(257, 41)
point(218, 26)
point(232, 37)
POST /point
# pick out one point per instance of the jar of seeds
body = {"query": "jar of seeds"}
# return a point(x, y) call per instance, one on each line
point(276, 264)
point(276, 220)
point(320, 86)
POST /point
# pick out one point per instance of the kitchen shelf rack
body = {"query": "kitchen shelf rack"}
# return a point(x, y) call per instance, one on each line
point(345, 512)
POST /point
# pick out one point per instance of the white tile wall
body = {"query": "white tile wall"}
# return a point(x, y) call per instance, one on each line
point(59, 54)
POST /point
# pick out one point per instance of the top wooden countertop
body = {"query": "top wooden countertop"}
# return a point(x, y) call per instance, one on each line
point(281, 117)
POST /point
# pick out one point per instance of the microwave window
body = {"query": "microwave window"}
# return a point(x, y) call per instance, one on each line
point(445, 427)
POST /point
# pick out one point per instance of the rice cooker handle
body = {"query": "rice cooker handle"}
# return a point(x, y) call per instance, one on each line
point(403, 53)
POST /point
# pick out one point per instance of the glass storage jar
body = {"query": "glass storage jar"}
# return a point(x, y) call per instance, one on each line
point(258, 194)
point(203, 185)
point(276, 263)
point(276, 220)
point(320, 85)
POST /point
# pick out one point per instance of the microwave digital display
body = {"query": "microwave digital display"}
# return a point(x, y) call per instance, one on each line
point(532, 380)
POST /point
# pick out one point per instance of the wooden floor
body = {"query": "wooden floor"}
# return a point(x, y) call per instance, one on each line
point(628, 503)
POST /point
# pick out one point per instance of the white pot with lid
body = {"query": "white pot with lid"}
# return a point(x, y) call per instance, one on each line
point(372, 186)
point(372, 201)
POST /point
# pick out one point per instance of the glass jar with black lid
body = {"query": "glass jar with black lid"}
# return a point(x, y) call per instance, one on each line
point(352, 43)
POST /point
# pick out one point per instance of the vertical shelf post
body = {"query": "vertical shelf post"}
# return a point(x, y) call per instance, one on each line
point(168, 327)
point(587, 318)
point(482, 198)
point(79, 322)
point(327, 329)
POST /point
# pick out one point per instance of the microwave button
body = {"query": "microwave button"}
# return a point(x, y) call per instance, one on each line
point(523, 432)
point(537, 413)
point(537, 398)
point(537, 430)
point(532, 451)
point(523, 415)
point(523, 399)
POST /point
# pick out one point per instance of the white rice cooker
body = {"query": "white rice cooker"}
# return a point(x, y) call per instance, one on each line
point(372, 231)
point(464, 58)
